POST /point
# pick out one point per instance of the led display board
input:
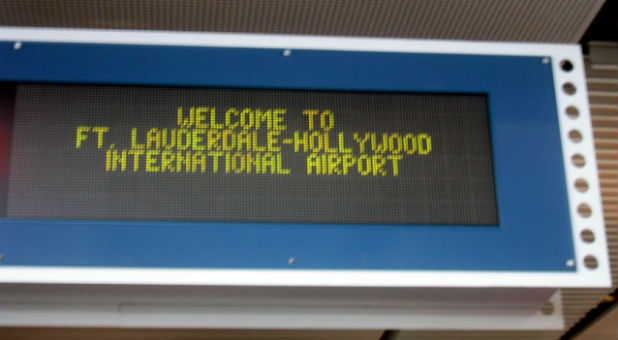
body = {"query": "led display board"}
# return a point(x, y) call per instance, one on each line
point(296, 155)
point(239, 155)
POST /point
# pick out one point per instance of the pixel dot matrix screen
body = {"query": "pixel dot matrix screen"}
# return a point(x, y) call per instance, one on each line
point(138, 153)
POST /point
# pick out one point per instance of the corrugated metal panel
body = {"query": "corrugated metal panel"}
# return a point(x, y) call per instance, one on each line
point(602, 70)
point(602, 78)
point(518, 20)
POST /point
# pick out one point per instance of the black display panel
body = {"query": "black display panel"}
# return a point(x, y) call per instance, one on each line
point(249, 155)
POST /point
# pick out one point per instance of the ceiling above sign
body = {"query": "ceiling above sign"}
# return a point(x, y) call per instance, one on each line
point(560, 21)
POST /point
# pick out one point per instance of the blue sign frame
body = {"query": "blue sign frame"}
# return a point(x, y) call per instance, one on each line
point(534, 232)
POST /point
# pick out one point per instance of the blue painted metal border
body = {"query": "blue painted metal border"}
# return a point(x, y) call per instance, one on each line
point(534, 232)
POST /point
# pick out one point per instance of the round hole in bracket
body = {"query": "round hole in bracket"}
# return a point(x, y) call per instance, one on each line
point(569, 88)
point(572, 112)
point(584, 210)
point(548, 308)
point(575, 136)
point(591, 262)
point(581, 185)
point(587, 236)
point(566, 65)
point(578, 160)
